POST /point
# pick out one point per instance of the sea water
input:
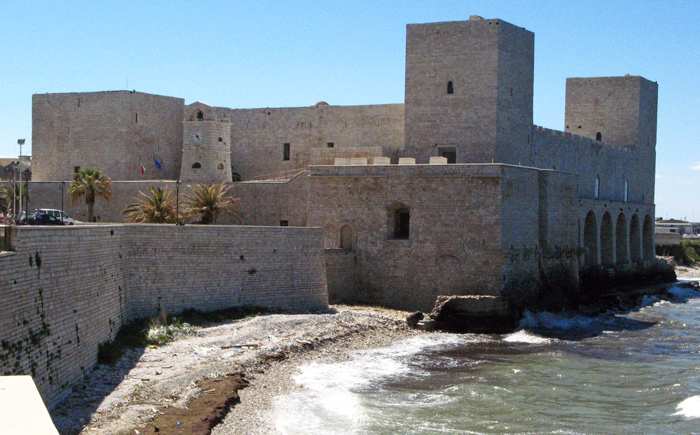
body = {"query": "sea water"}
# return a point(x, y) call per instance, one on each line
point(634, 373)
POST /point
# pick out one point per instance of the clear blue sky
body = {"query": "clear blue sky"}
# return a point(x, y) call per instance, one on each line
point(245, 54)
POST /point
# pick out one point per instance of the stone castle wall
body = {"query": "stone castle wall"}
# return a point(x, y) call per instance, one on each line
point(66, 290)
point(592, 160)
point(469, 224)
point(315, 135)
point(115, 131)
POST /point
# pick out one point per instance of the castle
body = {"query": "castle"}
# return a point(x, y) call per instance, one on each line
point(454, 192)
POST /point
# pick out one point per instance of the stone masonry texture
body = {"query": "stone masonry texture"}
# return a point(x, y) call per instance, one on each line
point(66, 290)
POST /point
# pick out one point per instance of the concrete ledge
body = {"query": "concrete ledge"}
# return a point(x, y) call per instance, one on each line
point(22, 412)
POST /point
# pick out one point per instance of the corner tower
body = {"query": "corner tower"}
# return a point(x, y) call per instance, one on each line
point(615, 110)
point(469, 88)
point(206, 153)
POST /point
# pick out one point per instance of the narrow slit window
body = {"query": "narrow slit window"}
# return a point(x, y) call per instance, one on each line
point(596, 191)
point(286, 151)
point(450, 87)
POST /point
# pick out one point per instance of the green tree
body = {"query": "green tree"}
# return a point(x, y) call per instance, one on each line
point(90, 184)
point(157, 207)
point(208, 202)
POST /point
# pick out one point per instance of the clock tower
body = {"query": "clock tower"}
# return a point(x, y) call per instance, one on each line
point(206, 152)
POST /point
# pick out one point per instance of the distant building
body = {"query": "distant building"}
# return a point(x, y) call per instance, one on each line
point(674, 226)
point(9, 168)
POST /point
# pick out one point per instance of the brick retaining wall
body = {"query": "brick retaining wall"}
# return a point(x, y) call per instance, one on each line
point(66, 290)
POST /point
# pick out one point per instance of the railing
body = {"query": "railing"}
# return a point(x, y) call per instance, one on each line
point(279, 176)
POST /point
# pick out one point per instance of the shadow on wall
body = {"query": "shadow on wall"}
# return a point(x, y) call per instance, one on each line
point(71, 415)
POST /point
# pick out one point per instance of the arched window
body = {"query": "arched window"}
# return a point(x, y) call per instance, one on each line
point(196, 165)
point(200, 115)
point(220, 166)
point(599, 136)
point(450, 87)
point(596, 190)
point(346, 237)
point(399, 221)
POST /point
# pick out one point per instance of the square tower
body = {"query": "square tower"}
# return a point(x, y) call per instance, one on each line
point(615, 110)
point(469, 88)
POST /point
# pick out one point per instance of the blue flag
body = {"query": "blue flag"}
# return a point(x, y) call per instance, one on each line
point(158, 163)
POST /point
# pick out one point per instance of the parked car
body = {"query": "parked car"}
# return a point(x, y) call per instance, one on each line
point(60, 215)
point(44, 219)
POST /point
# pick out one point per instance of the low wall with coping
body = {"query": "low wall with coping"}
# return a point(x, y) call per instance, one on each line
point(65, 290)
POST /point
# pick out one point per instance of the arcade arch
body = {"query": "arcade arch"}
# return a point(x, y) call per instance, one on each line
point(590, 240)
point(607, 248)
point(621, 239)
point(635, 239)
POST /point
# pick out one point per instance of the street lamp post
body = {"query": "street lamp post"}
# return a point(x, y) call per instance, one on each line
point(20, 142)
point(63, 183)
point(14, 194)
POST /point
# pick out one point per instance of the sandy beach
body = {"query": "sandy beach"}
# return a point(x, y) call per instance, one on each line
point(145, 385)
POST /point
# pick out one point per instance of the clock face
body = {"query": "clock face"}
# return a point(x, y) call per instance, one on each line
point(197, 137)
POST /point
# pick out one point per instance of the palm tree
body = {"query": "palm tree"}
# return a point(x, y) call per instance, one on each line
point(4, 204)
point(210, 201)
point(158, 208)
point(11, 192)
point(91, 184)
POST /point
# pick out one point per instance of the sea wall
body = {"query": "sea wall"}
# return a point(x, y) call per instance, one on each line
point(63, 291)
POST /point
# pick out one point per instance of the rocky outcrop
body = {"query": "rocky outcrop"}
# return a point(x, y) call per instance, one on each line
point(481, 314)
point(413, 319)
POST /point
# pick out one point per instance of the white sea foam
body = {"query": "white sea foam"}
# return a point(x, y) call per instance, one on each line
point(329, 402)
point(689, 408)
point(526, 337)
point(369, 365)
